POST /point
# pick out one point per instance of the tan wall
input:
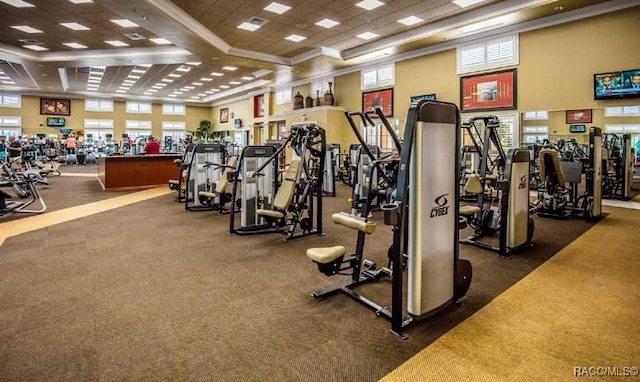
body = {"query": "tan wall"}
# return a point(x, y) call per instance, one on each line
point(34, 123)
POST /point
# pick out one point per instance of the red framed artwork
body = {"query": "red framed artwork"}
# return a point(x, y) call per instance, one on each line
point(50, 106)
point(378, 98)
point(258, 106)
point(578, 116)
point(490, 91)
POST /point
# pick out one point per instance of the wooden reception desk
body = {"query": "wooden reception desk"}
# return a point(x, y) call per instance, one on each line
point(136, 172)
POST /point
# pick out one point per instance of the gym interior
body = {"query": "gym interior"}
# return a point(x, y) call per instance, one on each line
point(319, 191)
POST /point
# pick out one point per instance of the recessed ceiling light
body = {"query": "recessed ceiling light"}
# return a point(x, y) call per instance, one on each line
point(18, 3)
point(35, 47)
point(178, 92)
point(195, 97)
point(99, 67)
point(197, 83)
point(410, 20)
point(466, 3)
point(277, 8)
point(215, 90)
point(145, 65)
point(247, 78)
point(116, 43)
point(224, 86)
point(295, 38)
point(121, 91)
point(152, 90)
point(175, 75)
point(206, 79)
point(217, 74)
point(173, 95)
point(161, 85)
point(8, 82)
point(202, 94)
point(248, 26)
point(134, 77)
point(234, 83)
point(327, 23)
point(74, 45)
point(193, 63)
point(160, 41)
point(367, 35)
point(229, 68)
point(147, 93)
point(138, 71)
point(183, 69)
point(92, 81)
point(129, 81)
point(81, 1)
point(26, 28)
point(75, 26)
point(125, 23)
point(166, 80)
point(369, 4)
point(189, 87)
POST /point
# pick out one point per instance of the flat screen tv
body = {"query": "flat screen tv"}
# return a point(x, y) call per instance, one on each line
point(237, 123)
point(55, 122)
point(617, 84)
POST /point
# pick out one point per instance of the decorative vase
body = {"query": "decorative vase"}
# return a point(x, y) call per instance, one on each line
point(298, 101)
point(308, 102)
point(317, 97)
point(328, 96)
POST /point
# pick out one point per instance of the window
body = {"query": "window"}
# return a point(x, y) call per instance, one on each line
point(174, 129)
point(533, 134)
point(535, 115)
point(98, 124)
point(622, 129)
point(378, 135)
point(98, 104)
point(283, 96)
point(322, 87)
point(138, 107)
point(97, 134)
point(10, 132)
point(488, 54)
point(135, 129)
point(622, 111)
point(507, 132)
point(173, 109)
point(10, 100)
point(380, 76)
point(7, 121)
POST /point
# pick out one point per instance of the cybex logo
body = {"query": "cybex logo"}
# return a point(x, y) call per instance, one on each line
point(441, 207)
point(523, 182)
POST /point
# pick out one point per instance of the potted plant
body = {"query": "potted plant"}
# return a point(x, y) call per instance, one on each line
point(204, 129)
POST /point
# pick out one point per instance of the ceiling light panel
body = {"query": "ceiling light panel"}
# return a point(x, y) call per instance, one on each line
point(277, 8)
point(367, 35)
point(117, 43)
point(295, 38)
point(160, 41)
point(249, 26)
point(125, 23)
point(234, 83)
point(206, 79)
point(327, 23)
point(193, 63)
point(18, 3)
point(183, 69)
point(217, 74)
point(38, 48)
point(247, 78)
point(81, 1)
point(369, 4)
point(26, 29)
point(224, 86)
point(74, 45)
point(411, 20)
point(229, 68)
point(75, 26)
point(466, 3)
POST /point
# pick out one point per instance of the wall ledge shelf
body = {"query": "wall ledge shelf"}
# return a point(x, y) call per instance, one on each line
point(316, 108)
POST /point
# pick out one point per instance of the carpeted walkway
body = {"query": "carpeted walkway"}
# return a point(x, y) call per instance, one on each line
point(151, 292)
point(580, 309)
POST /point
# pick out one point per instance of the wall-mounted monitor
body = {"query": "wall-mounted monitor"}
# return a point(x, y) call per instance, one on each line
point(237, 123)
point(577, 128)
point(65, 131)
point(617, 84)
point(55, 122)
point(428, 97)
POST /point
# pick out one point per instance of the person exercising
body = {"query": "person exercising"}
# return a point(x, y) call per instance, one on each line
point(15, 152)
point(152, 146)
point(391, 169)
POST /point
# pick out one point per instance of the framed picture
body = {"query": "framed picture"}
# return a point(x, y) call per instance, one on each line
point(224, 115)
point(490, 91)
point(578, 116)
point(378, 98)
point(428, 97)
point(258, 106)
point(50, 106)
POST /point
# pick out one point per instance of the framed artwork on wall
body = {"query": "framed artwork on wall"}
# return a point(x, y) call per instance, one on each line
point(258, 106)
point(224, 115)
point(578, 116)
point(51, 106)
point(378, 98)
point(489, 91)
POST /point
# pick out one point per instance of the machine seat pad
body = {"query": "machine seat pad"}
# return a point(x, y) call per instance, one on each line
point(326, 255)
point(174, 181)
point(208, 194)
point(354, 222)
point(270, 213)
point(469, 210)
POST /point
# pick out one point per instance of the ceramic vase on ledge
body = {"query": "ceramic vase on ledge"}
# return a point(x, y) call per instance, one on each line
point(317, 97)
point(328, 96)
point(308, 102)
point(298, 101)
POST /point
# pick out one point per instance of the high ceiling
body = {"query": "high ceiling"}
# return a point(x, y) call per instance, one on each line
point(200, 42)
